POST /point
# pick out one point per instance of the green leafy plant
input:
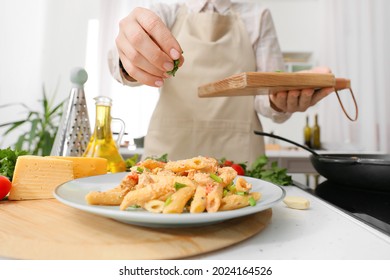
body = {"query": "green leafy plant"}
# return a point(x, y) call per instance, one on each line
point(275, 174)
point(8, 159)
point(38, 129)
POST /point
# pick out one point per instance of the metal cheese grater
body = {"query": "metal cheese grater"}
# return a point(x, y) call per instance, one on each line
point(74, 131)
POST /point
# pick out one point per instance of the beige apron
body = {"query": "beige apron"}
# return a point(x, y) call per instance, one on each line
point(184, 125)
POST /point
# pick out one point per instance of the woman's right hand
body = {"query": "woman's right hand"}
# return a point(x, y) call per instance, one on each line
point(147, 47)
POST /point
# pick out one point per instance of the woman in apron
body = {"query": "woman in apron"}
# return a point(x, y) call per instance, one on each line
point(219, 38)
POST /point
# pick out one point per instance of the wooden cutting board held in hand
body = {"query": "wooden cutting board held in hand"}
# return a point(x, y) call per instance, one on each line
point(257, 83)
point(47, 229)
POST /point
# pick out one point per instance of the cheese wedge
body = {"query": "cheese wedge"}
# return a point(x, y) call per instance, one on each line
point(36, 177)
point(86, 166)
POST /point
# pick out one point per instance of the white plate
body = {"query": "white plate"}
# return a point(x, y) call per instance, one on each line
point(73, 193)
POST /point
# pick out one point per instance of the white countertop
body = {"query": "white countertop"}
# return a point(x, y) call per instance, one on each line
point(321, 232)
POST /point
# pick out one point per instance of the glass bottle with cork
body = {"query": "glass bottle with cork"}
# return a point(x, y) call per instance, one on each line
point(307, 133)
point(102, 143)
point(316, 135)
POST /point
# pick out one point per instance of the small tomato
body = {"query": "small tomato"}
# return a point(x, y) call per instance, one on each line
point(5, 186)
point(239, 169)
point(228, 163)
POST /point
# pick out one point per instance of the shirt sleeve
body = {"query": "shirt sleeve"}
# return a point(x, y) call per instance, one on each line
point(115, 70)
point(269, 58)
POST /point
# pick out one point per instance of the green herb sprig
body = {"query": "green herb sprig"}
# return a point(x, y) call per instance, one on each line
point(274, 174)
point(8, 159)
point(175, 68)
point(216, 178)
point(179, 186)
point(131, 161)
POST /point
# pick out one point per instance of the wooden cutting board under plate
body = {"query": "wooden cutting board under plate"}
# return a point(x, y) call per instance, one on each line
point(47, 229)
point(257, 83)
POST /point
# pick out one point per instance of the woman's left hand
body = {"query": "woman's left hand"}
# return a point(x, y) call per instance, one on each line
point(299, 100)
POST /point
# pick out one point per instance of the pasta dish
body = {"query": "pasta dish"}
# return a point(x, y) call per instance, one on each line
point(193, 185)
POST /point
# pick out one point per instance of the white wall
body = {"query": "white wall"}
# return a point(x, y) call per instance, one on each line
point(40, 42)
point(65, 38)
point(296, 23)
point(21, 22)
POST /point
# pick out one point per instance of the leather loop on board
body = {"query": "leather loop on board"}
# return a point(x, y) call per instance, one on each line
point(355, 103)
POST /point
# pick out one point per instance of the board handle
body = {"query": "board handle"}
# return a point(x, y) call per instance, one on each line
point(342, 83)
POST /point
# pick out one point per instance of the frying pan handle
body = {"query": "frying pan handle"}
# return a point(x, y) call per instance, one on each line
point(286, 140)
point(341, 83)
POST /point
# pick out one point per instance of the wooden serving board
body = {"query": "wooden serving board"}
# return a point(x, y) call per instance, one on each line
point(47, 229)
point(257, 83)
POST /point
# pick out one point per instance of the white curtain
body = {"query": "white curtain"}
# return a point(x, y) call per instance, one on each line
point(355, 44)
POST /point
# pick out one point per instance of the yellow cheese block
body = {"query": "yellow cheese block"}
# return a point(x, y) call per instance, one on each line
point(36, 177)
point(86, 166)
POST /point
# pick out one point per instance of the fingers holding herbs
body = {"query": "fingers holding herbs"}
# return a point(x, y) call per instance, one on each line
point(148, 51)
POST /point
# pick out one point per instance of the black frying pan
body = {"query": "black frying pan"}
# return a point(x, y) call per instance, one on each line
point(366, 171)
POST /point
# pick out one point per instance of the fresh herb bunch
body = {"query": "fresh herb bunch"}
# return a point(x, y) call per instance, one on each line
point(131, 161)
point(275, 174)
point(8, 159)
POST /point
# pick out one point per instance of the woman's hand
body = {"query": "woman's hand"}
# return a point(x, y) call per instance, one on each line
point(299, 100)
point(147, 47)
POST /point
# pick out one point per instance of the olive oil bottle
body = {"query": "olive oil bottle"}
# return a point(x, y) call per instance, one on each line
point(316, 134)
point(101, 143)
point(307, 133)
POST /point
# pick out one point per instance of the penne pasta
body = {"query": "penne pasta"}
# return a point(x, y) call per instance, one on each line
point(242, 185)
point(179, 199)
point(235, 201)
point(198, 204)
point(105, 198)
point(149, 192)
point(214, 199)
point(202, 164)
point(151, 164)
point(154, 206)
point(227, 174)
point(193, 185)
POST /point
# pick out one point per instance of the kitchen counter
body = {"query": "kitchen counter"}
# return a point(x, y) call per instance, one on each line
point(320, 232)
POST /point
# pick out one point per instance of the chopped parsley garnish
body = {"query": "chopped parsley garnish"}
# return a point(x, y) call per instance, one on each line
point(179, 185)
point(216, 178)
point(168, 201)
